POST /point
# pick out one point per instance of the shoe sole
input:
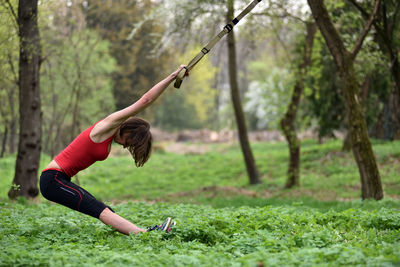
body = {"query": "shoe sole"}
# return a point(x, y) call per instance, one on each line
point(173, 223)
point(167, 224)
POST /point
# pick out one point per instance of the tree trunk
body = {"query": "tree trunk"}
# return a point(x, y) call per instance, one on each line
point(13, 133)
point(288, 121)
point(391, 112)
point(346, 147)
point(240, 119)
point(395, 97)
point(29, 146)
point(3, 143)
point(370, 179)
point(395, 69)
point(389, 39)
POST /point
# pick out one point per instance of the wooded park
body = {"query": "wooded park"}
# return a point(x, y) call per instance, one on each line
point(276, 141)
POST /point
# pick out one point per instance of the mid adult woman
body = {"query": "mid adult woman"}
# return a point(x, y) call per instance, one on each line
point(93, 145)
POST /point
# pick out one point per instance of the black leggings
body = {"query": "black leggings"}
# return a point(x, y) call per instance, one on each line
point(56, 186)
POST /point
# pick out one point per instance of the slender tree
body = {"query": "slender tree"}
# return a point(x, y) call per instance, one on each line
point(29, 147)
point(182, 24)
point(288, 121)
point(361, 146)
point(237, 105)
point(3, 143)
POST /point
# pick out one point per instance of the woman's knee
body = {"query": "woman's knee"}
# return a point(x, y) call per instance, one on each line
point(106, 215)
point(44, 187)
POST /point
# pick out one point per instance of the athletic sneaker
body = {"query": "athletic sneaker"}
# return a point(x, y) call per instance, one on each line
point(165, 226)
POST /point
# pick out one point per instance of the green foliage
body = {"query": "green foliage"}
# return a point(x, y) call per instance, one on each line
point(140, 64)
point(199, 90)
point(297, 227)
point(75, 80)
point(9, 54)
point(324, 100)
point(194, 105)
point(347, 20)
point(45, 234)
point(175, 113)
point(76, 83)
point(268, 97)
point(323, 94)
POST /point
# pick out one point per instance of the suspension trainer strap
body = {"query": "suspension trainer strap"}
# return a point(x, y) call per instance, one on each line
point(227, 29)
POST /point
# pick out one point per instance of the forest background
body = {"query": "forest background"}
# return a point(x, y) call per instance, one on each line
point(99, 56)
point(272, 153)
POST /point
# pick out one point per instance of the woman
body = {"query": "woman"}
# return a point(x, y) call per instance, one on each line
point(93, 145)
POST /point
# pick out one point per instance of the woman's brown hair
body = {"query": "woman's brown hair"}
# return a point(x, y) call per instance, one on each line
point(138, 135)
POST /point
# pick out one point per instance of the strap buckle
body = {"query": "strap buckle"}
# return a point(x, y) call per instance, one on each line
point(205, 50)
point(228, 28)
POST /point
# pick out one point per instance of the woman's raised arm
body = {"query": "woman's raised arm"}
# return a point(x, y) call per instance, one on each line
point(110, 124)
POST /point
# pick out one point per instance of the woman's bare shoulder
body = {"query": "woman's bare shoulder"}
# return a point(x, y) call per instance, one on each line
point(102, 131)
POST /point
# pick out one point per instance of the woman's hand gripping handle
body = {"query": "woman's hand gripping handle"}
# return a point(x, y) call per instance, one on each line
point(184, 71)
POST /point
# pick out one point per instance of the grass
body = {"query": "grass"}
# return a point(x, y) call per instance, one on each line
point(219, 176)
point(222, 220)
point(50, 235)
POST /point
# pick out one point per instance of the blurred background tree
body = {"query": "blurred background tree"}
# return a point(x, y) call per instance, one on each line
point(8, 80)
point(139, 63)
point(76, 75)
point(25, 178)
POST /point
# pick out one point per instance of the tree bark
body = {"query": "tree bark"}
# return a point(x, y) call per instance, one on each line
point(12, 143)
point(361, 146)
point(239, 115)
point(346, 147)
point(288, 121)
point(29, 146)
point(395, 98)
point(3, 143)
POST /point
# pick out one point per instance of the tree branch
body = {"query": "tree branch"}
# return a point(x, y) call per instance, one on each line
point(283, 15)
point(12, 11)
point(329, 32)
point(365, 31)
point(360, 8)
point(381, 31)
point(281, 42)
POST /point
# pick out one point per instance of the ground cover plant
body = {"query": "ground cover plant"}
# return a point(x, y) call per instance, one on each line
point(45, 234)
point(221, 220)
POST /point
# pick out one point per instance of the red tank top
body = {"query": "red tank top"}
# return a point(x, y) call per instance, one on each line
point(82, 152)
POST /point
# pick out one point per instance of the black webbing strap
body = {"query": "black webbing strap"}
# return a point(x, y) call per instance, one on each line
point(227, 29)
